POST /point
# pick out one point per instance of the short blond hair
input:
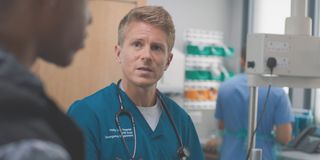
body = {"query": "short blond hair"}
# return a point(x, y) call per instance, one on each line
point(154, 15)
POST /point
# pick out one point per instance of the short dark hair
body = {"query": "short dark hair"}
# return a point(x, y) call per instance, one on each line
point(5, 4)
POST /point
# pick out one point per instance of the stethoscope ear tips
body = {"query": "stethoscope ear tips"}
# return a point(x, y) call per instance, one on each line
point(183, 153)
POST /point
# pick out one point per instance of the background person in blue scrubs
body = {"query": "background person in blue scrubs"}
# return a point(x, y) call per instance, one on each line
point(145, 39)
point(232, 115)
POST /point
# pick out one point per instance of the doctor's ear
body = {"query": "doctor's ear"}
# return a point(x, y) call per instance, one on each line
point(169, 61)
point(117, 50)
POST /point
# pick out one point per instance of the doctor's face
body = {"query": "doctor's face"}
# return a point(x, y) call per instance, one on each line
point(144, 54)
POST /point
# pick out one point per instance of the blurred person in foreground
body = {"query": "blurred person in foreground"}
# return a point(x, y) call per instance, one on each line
point(32, 125)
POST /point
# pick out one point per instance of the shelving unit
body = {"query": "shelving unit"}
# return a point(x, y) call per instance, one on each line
point(204, 69)
point(202, 105)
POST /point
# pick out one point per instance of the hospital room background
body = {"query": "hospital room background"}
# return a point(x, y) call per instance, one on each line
point(209, 37)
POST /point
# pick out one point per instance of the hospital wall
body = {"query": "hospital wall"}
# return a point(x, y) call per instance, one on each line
point(216, 15)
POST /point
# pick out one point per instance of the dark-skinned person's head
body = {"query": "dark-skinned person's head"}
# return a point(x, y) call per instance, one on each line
point(53, 30)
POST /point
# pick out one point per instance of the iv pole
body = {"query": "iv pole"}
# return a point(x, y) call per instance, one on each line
point(297, 24)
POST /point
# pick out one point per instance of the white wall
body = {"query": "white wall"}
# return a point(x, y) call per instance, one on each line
point(202, 14)
point(235, 33)
point(219, 15)
point(269, 15)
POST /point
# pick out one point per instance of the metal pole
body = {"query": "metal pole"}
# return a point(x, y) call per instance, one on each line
point(253, 109)
point(256, 154)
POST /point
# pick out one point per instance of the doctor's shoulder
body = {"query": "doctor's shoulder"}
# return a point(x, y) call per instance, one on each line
point(97, 102)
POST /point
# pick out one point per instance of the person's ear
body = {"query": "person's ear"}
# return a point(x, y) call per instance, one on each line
point(117, 50)
point(168, 61)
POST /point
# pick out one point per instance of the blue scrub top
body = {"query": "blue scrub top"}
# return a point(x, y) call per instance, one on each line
point(232, 109)
point(95, 115)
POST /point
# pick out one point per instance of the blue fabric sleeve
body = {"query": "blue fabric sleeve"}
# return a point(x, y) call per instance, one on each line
point(87, 121)
point(283, 112)
point(193, 144)
point(219, 112)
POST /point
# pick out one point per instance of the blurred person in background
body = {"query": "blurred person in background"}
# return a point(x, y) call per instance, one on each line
point(232, 115)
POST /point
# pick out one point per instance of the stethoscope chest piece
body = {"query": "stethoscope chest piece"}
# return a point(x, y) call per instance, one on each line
point(183, 153)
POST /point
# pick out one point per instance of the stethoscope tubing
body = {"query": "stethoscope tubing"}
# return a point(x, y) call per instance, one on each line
point(171, 119)
point(123, 111)
point(133, 123)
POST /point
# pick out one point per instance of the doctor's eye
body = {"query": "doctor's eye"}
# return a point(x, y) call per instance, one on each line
point(157, 48)
point(137, 44)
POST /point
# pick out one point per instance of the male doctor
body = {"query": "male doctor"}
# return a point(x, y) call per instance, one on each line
point(132, 119)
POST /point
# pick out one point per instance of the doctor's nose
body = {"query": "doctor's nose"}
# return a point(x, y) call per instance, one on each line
point(146, 53)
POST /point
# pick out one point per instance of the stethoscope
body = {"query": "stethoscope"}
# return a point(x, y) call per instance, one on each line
point(183, 152)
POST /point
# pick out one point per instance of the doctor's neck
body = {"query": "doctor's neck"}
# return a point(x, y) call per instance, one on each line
point(141, 96)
